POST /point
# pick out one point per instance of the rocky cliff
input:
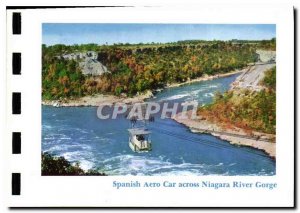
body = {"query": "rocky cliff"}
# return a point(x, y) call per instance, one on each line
point(88, 61)
point(252, 75)
point(266, 56)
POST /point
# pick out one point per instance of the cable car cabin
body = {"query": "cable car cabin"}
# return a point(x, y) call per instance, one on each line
point(139, 140)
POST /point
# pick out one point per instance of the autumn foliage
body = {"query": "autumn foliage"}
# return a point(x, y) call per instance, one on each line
point(135, 68)
point(249, 110)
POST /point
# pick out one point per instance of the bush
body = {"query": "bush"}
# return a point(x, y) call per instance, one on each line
point(248, 110)
point(137, 68)
point(57, 166)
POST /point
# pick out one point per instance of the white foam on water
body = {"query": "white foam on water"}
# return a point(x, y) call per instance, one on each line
point(180, 173)
point(86, 165)
point(161, 157)
point(48, 138)
point(111, 133)
point(140, 165)
point(183, 161)
point(209, 94)
point(83, 157)
point(44, 126)
point(72, 156)
point(175, 97)
point(65, 138)
point(196, 92)
point(56, 148)
point(82, 146)
point(81, 130)
point(213, 86)
point(58, 135)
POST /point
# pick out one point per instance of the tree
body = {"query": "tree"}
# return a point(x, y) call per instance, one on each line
point(57, 166)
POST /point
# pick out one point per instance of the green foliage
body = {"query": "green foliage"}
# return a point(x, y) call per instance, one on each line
point(62, 78)
point(135, 68)
point(118, 90)
point(268, 44)
point(270, 79)
point(56, 166)
point(248, 110)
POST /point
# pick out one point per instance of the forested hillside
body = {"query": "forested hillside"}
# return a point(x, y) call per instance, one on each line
point(246, 109)
point(135, 68)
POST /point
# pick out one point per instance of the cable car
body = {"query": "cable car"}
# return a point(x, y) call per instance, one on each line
point(139, 135)
point(139, 140)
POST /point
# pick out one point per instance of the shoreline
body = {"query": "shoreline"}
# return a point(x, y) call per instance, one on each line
point(239, 137)
point(100, 99)
point(97, 100)
point(207, 78)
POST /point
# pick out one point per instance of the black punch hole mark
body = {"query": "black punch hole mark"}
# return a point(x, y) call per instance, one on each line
point(16, 103)
point(16, 143)
point(16, 23)
point(16, 63)
point(16, 184)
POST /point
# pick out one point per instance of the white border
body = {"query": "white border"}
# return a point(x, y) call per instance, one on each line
point(98, 191)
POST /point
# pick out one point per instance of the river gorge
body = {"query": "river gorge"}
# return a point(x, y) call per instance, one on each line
point(77, 134)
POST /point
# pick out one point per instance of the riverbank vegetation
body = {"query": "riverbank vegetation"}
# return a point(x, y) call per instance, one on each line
point(246, 109)
point(57, 166)
point(136, 68)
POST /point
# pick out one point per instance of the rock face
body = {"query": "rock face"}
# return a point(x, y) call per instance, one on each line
point(88, 62)
point(80, 55)
point(251, 77)
point(266, 56)
point(92, 67)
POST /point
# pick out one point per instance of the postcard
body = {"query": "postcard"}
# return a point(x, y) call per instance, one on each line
point(140, 107)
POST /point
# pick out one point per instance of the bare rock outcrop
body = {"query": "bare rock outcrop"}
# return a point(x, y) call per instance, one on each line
point(266, 56)
point(88, 61)
point(251, 77)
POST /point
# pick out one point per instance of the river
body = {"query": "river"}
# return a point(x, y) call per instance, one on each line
point(79, 135)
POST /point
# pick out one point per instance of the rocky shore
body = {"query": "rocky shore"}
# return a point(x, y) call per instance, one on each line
point(99, 99)
point(262, 141)
point(250, 79)
point(207, 78)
